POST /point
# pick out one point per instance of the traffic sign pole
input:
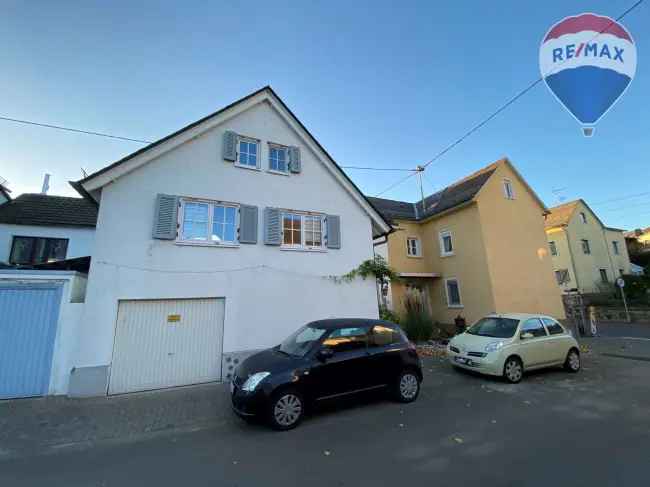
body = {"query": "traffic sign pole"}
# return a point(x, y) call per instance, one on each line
point(621, 285)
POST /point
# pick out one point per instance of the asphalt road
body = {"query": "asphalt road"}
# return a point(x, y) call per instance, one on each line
point(554, 428)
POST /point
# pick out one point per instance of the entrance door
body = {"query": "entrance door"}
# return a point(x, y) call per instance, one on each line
point(166, 343)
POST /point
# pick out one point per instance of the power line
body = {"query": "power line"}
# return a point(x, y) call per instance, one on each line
point(69, 129)
point(396, 184)
point(376, 168)
point(628, 197)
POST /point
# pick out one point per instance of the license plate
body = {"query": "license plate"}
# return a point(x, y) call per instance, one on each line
point(460, 360)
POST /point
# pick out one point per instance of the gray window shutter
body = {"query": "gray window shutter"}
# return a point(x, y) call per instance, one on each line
point(272, 226)
point(247, 224)
point(165, 220)
point(333, 231)
point(295, 165)
point(230, 146)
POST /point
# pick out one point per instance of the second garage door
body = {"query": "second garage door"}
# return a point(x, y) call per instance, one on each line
point(166, 343)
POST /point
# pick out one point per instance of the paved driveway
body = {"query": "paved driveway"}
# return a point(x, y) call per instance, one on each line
point(554, 428)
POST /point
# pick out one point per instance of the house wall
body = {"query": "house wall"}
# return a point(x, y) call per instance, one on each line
point(520, 267)
point(263, 304)
point(563, 259)
point(622, 260)
point(468, 264)
point(80, 242)
point(587, 266)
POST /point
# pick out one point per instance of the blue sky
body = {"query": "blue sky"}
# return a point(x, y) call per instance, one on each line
point(378, 85)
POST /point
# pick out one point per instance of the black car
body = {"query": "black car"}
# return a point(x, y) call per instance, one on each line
point(324, 360)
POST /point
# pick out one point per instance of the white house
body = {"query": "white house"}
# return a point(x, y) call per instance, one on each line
point(39, 228)
point(215, 241)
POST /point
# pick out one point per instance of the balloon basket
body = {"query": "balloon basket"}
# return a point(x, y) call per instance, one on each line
point(588, 131)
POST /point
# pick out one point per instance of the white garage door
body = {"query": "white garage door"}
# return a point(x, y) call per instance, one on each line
point(166, 343)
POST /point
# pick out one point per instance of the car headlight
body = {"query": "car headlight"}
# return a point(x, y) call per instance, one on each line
point(253, 381)
point(493, 347)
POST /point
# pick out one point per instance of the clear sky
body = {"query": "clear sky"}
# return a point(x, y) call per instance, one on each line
point(382, 84)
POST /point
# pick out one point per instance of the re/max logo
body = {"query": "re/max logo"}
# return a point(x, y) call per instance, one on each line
point(586, 50)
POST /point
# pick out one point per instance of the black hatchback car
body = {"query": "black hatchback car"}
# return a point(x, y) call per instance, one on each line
point(325, 360)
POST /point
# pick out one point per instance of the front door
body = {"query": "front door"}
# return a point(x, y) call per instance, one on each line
point(346, 370)
point(533, 350)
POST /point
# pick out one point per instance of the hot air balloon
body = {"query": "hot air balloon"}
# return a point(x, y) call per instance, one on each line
point(587, 61)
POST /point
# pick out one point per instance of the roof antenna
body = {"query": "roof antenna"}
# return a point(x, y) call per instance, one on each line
point(46, 184)
point(420, 170)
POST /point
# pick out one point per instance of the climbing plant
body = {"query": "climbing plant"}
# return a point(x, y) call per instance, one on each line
point(376, 268)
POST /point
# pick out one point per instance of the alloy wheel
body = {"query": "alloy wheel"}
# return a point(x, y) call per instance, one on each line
point(574, 361)
point(287, 410)
point(408, 386)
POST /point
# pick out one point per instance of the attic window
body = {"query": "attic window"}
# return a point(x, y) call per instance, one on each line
point(248, 153)
point(508, 191)
point(583, 217)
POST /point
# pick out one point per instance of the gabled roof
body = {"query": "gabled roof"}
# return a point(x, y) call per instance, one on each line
point(46, 210)
point(561, 214)
point(456, 194)
point(88, 185)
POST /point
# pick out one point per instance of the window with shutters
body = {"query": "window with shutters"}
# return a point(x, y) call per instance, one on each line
point(248, 153)
point(208, 222)
point(303, 231)
point(278, 159)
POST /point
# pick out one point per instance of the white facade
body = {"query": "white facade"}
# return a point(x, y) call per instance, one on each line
point(80, 240)
point(269, 291)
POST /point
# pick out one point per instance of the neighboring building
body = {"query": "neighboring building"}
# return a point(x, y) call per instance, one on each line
point(5, 194)
point(39, 228)
point(478, 246)
point(586, 254)
point(215, 241)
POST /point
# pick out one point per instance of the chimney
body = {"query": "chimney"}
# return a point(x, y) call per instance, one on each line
point(46, 184)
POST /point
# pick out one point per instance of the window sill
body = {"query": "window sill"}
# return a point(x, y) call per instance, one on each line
point(414, 256)
point(279, 173)
point(450, 254)
point(250, 168)
point(455, 306)
point(302, 249)
point(207, 244)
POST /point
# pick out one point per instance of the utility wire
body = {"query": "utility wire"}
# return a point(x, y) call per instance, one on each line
point(396, 184)
point(621, 198)
point(68, 129)
point(377, 168)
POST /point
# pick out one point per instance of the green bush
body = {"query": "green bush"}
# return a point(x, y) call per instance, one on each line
point(388, 315)
point(416, 321)
point(637, 287)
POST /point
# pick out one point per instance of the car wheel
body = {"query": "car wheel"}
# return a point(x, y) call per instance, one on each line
point(572, 362)
point(286, 409)
point(513, 370)
point(407, 387)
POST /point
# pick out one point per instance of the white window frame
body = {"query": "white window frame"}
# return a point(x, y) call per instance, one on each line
point(553, 248)
point(258, 161)
point(583, 217)
point(180, 239)
point(508, 189)
point(418, 247)
point(441, 239)
point(460, 296)
point(615, 247)
point(587, 247)
point(303, 246)
point(272, 145)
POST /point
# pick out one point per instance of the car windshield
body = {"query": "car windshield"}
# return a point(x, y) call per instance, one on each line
point(301, 341)
point(494, 327)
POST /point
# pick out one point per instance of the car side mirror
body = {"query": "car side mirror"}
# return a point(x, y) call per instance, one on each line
point(526, 335)
point(325, 354)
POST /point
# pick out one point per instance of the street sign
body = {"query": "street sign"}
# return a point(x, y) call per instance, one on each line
point(620, 282)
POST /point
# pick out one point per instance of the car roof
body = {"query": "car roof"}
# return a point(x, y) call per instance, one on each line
point(335, 323)
point(518, 316)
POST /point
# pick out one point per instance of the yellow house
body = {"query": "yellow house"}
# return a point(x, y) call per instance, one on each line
point(478, 246)
point(586, 254)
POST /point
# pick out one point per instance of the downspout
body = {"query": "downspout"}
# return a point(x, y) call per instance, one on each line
point(609, 256)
